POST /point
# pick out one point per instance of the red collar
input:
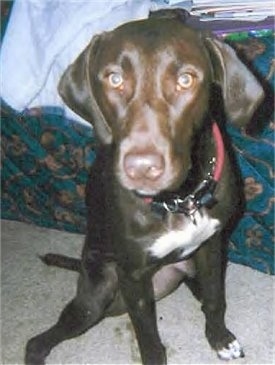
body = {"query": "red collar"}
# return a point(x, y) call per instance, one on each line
point(219, 152)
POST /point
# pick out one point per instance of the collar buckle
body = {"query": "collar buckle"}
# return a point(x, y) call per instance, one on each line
point(203, 195)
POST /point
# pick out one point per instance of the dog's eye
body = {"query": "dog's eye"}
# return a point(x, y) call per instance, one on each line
point(185, 81)
point(116, 80)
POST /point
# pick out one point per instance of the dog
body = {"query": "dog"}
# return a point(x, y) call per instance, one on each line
point(163, 192)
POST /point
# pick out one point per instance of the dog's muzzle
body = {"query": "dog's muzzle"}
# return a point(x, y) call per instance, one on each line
point(204, 193)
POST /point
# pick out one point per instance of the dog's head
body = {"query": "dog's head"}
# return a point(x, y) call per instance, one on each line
point(145, 87)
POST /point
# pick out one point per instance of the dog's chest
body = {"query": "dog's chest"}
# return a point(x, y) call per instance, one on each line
point(182, 234)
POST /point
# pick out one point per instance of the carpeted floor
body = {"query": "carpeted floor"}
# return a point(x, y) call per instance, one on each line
point(33, 296)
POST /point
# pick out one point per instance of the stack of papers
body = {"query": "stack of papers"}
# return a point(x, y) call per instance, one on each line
point(250, 10)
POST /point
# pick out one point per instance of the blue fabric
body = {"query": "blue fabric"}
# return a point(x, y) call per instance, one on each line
point(252, 242)
point(46, 159)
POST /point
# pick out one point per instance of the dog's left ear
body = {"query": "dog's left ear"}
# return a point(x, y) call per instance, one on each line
point(242, 93)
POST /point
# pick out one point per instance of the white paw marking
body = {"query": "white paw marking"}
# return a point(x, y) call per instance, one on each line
point(232, 351)
point(189, 238)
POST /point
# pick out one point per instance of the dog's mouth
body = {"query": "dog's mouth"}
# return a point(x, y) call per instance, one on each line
point(148, 196)
point(145, 196)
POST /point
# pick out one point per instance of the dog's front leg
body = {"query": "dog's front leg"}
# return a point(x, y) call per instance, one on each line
point(139, 298)
point(210, 274)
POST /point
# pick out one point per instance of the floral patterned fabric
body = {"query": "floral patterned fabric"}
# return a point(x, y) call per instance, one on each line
point(46, 159)
point(252, 242)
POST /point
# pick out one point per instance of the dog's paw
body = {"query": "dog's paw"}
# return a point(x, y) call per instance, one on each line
point(35, 355)
point(232, 351)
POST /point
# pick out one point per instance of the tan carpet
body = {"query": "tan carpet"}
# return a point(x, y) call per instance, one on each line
point(33, 296)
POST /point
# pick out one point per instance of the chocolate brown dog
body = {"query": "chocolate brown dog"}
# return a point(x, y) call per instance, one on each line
point(163, 192)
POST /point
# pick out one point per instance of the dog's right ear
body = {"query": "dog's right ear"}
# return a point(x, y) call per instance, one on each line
point(242, 93)
point(76, 90)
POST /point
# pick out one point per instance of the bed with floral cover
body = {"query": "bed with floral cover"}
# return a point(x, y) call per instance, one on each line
point(46, 159)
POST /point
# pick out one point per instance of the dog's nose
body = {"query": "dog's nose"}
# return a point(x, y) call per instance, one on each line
point(148, 166)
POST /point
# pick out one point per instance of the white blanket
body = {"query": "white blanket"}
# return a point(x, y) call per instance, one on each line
point(44, 37)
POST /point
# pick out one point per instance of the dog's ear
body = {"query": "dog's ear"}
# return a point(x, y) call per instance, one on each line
point(242, 93)
point(76, 90)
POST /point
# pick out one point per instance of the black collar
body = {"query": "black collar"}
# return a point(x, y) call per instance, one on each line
point(203, 194)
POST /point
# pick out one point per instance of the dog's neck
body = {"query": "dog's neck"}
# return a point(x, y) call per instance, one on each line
point(203, 193)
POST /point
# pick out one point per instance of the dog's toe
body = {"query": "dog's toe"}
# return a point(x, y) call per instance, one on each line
point(35, 354)
point(232, 351)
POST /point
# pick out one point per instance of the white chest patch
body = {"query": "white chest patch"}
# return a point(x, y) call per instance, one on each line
point(188, 238)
